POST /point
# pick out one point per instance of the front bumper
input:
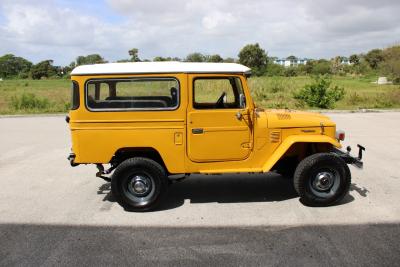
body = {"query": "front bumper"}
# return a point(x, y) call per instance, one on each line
point(355, 161)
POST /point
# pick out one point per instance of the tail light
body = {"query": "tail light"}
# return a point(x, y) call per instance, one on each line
point(340, 135)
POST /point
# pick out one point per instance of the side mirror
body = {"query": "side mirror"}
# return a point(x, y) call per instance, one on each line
point(242, 101)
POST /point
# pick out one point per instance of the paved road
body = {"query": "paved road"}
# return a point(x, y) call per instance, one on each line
point(52, 214)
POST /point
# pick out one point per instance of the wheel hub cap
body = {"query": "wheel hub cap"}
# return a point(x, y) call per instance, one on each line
point(323, 181)
point(139, 185)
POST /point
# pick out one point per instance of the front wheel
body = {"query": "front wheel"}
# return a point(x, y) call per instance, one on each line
point(322, 179)
point(138, 184)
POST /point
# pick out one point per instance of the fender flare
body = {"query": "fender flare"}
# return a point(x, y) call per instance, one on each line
point(291, 140)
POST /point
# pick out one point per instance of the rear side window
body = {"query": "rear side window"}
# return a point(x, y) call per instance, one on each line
point(133, 94)
point(75, 95)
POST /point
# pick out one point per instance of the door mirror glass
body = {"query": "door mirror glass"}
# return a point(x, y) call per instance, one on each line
point(242, 101)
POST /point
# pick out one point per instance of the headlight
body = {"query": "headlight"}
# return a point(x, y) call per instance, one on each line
point(340, 135)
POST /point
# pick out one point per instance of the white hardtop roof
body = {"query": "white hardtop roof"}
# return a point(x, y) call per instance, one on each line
point(160, 67)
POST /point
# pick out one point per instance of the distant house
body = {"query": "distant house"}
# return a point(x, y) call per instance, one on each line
point(291, 61)
point(345, 61)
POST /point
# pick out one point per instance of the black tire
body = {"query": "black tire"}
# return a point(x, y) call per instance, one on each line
point(322, 179)
point(138, 184)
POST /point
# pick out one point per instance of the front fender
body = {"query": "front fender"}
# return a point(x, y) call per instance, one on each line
point(289, 141)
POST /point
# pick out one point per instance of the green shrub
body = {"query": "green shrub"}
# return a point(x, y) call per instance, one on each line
point(29, 101)
point(275, 70)
point(291, 72)
point(320, 94)
point(321, 67)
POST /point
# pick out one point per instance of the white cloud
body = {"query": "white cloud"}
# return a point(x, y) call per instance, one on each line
point(217, 19)
point(177, 27)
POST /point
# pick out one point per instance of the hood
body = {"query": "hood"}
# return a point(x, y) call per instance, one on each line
point(296, 119)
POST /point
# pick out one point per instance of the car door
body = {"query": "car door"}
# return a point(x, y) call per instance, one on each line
point(218, 123)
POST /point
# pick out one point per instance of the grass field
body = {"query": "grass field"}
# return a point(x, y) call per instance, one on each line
point(277, 92)
point(53, 96)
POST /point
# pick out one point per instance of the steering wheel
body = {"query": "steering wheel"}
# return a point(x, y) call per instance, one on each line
point(220, 101)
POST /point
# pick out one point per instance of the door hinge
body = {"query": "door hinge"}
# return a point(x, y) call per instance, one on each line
point(246, 145)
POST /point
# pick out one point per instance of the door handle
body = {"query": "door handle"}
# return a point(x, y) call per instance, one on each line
point(239, 115)
point(197, 130)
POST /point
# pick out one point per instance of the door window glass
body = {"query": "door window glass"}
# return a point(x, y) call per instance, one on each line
point(214, 93)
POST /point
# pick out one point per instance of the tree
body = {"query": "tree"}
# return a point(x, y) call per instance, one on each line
point(43, 69)
point(391, 63)
point(292, 58)
point(89, 59)
point(195, 57)
point(72, 65)
point(161, 59)
point(229, 60)
point(374, 57)
point(321, 67)
point(336, 65)
point(253, 56)
point(215, 58)
point(12, 66)
point(354, 59)
point(166, 59)
point(134, 53)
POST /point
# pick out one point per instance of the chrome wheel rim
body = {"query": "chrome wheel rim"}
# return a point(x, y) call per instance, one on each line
point(325, 183)
point(140, 188)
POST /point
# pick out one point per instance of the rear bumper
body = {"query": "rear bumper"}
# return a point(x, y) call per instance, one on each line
point(349, 159)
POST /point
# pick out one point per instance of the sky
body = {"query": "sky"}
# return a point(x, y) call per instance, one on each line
point(62, 30)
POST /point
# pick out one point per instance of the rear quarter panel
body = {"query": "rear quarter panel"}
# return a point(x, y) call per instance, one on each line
point(97, 135)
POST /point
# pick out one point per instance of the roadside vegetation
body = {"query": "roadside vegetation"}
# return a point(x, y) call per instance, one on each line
point(34, 96)
point(53, 95)
point(319, 84)
point(359, 93)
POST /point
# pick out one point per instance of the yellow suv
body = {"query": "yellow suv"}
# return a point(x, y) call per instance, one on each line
point(156, 122)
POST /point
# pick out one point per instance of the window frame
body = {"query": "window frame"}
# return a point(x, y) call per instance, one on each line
point(131, 79)
point(216, 78)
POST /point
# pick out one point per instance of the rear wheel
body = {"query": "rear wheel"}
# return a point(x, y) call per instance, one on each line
point(322, 179)
point(138, 184)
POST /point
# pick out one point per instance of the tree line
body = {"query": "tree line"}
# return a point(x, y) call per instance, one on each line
point(375, 62)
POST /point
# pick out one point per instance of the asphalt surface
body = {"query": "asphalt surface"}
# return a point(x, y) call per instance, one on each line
point(52, 214)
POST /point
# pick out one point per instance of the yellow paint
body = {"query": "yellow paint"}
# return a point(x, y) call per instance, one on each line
point(253, 143)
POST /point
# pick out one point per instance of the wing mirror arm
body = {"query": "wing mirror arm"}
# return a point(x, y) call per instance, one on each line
point(239, 115)
point(242, 101)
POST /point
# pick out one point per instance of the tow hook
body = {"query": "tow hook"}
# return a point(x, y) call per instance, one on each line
point(356, 161)
point(360, 151)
